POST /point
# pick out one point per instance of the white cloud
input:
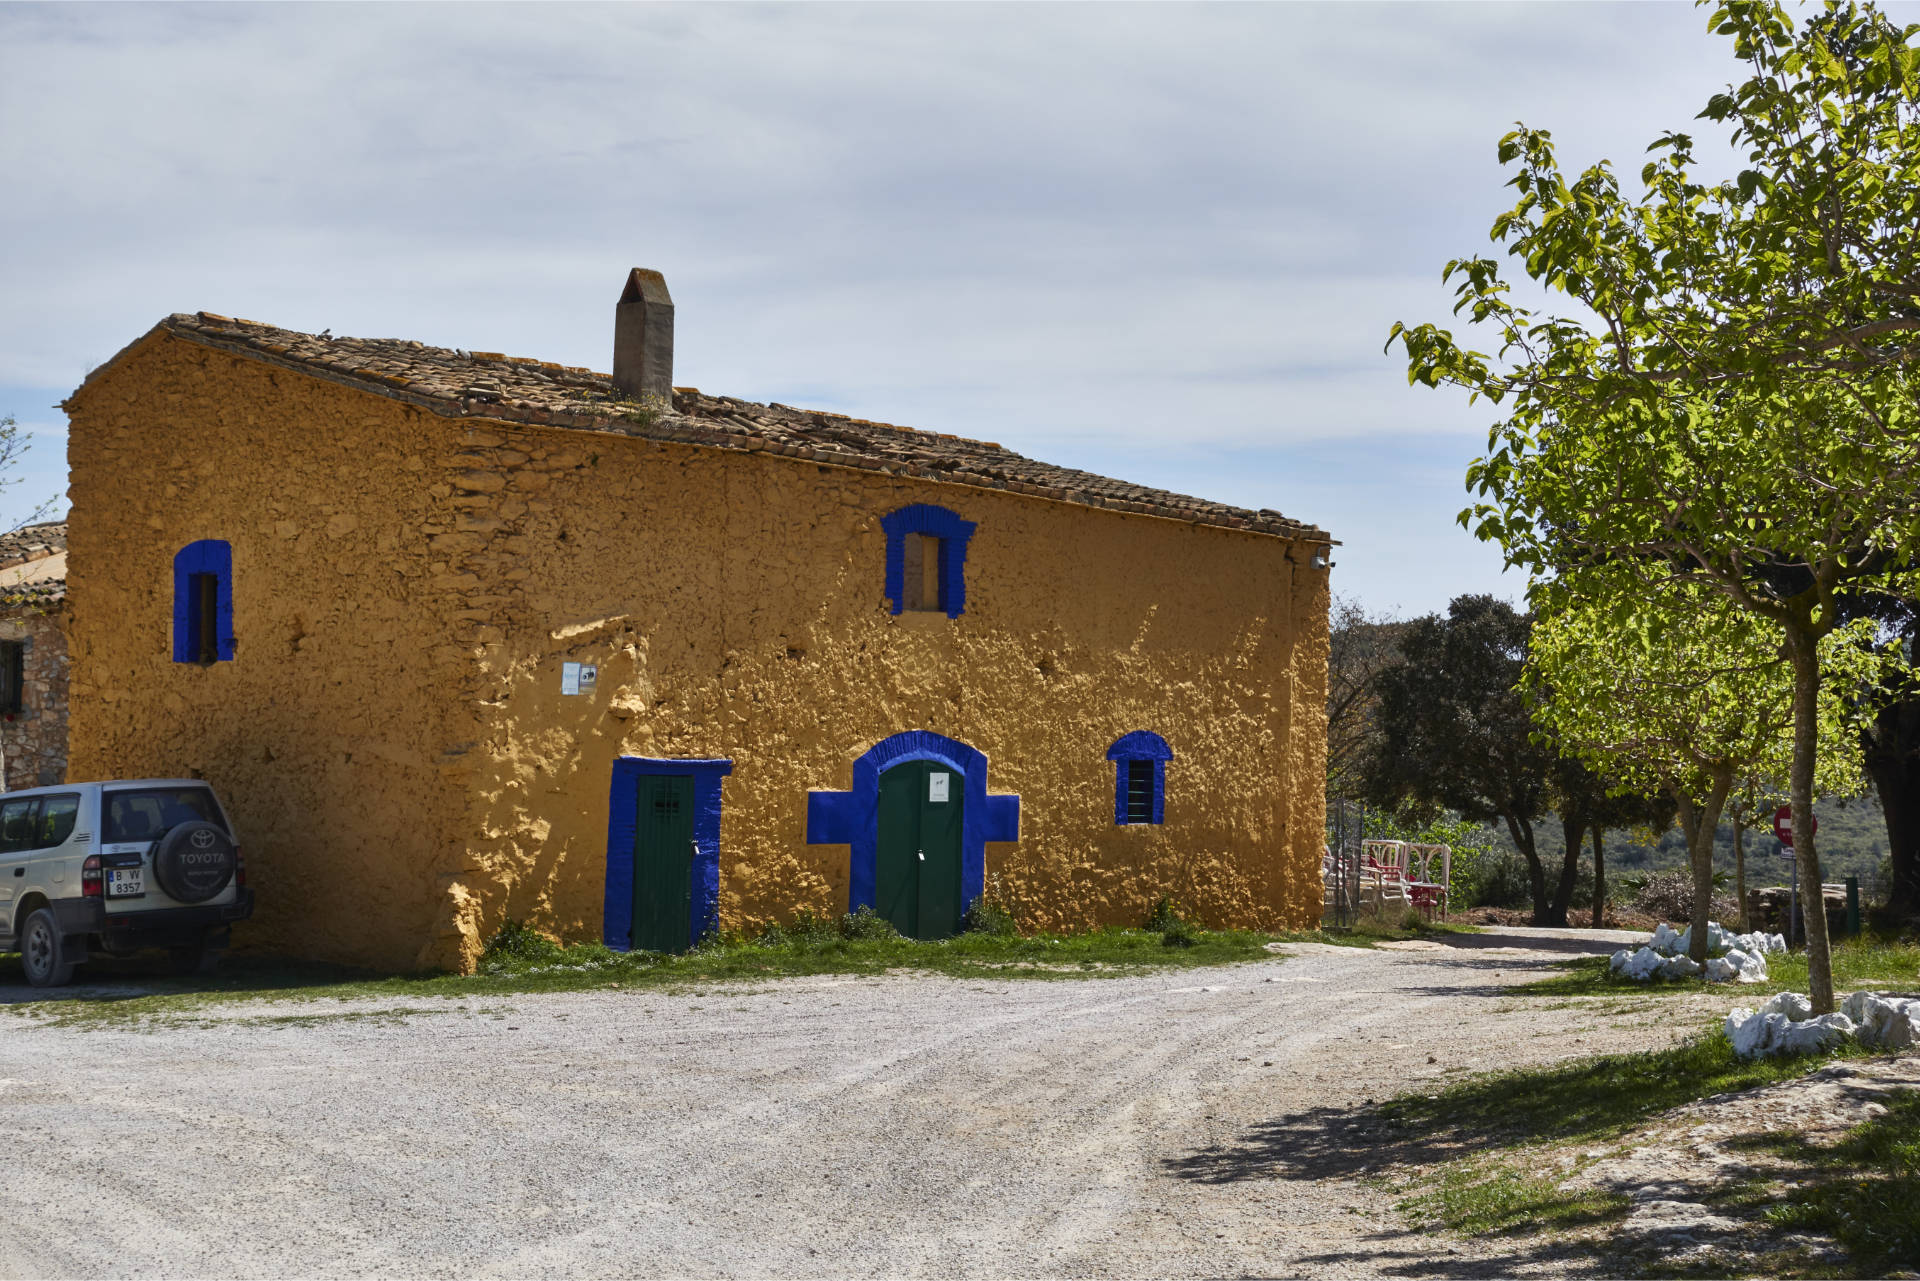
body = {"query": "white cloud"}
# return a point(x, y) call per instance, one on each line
point(1058, 226)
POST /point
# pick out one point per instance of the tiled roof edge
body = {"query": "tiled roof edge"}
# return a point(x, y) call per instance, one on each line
point(685, 429)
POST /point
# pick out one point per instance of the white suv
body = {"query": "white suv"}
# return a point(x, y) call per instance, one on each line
point(118, 866)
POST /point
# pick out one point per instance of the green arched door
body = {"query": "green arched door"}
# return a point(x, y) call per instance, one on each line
point(917, 864)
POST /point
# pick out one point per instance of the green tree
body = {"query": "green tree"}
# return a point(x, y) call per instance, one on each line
point(1734, 406)
point(1359, 647)
point(1453, 733)
point(1693, 708)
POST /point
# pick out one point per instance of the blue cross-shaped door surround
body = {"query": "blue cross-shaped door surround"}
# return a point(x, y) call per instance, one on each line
point(852, 817)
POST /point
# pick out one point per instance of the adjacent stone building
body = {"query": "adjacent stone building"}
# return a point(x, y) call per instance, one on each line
point(33, 655)
point(462, 637)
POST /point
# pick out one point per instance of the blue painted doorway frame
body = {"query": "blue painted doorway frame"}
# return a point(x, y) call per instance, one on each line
point(852, 818)
point(616, 929)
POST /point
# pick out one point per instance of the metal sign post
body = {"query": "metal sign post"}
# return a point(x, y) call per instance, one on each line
point(1783, 832)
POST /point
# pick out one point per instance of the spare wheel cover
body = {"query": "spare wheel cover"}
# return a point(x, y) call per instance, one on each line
point(193, 862)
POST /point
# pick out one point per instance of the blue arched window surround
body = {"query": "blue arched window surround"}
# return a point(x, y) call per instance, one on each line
point(1140, 769)
point(852, 817)
point(934, 522)
point(203, 602)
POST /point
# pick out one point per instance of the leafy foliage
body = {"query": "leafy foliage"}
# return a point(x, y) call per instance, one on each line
point(1456, 733)
point(1734, 407)
point(517, 943)
point(1359, 647)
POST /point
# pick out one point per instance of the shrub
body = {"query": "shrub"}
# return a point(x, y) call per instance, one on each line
point(1180, 934)
point(1495, 878)
point(865, 923)
point(1163, 916)
point(987, 917)
point(1669, 896)
point(517, 943)
point(805, 928)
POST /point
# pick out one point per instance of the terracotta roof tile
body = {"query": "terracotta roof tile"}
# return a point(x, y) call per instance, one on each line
point(489, 384)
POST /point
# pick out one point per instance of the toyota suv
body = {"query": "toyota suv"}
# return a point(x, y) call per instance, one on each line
point(117, 867)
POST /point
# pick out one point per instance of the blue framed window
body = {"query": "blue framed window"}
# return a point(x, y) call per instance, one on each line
point(203, 602)
point(927, 559)
point(1139, 777)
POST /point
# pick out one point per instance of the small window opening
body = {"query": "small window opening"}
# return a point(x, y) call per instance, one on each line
point(921, 580)
point(1139, 791)
point(203, 603)
point(203, 617)
point(13, 670)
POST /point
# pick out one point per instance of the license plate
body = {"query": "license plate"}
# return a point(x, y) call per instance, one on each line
point(126, 882)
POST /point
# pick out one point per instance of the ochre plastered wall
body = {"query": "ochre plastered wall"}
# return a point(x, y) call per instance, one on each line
point(734, 605)
point(335, 735)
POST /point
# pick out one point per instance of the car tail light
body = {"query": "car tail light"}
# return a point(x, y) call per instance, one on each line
point(90, 877)
point(239, 869)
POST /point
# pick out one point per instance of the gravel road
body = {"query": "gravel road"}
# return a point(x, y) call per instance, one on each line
point(1182, 1124)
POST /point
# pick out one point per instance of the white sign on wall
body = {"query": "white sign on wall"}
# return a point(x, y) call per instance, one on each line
point(937, 785)
point(578, 678)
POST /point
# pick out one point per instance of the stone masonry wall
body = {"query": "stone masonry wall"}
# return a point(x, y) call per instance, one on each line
point(33, 741)
point(407, 775)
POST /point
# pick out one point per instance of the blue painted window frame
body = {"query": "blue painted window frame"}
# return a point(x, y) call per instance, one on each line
point(953, 533)
point(1140, 745)
point(207, 556)
point(852, 818)
point(623, 806)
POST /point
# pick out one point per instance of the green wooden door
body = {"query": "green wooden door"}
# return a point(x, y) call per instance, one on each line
point(663, 863)
point(917, 871)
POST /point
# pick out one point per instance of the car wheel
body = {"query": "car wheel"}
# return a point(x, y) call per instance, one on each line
point(40, 952)
point(196, 960)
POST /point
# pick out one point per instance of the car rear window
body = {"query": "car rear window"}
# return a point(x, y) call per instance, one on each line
point(147, 813)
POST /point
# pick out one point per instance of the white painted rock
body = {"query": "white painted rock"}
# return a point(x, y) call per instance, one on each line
point(1886, 1022)
point(1737, 966)
point(1647, 964)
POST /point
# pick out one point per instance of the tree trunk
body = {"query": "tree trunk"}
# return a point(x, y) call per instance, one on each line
point(1575, 830)
point(1700, 822)
point(1803, 653)
point(1522, 833)
point(1599, 879)
point(1740, 864)
point(1893, 762)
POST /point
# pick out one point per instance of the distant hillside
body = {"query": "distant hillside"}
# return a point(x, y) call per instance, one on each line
point(1852, 842)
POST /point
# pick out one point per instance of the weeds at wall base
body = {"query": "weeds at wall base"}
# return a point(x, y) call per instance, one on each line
point(523, 960)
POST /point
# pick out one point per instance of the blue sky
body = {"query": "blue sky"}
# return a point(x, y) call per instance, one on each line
point(1161, 242)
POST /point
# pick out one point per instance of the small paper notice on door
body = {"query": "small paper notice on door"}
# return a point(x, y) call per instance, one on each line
point(937, 786)
point(569, 678)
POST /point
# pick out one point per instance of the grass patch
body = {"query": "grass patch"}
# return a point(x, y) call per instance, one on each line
point(523, 960)
point(1586, 1100)
point(1863, 1191)
point(1483, 1197)
point(1539, 1120)
point(1864, 962)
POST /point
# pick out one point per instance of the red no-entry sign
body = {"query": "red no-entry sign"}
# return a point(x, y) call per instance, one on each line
point(1783, 824)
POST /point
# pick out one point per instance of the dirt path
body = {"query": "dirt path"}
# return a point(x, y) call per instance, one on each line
point(1174, 1125)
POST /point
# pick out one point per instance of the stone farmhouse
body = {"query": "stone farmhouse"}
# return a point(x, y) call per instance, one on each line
point(462, 637)
point(33, 655)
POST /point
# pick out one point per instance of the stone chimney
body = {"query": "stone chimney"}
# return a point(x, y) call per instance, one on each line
point(643, 338)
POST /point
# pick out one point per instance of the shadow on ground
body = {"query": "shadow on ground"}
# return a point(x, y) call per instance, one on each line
point(1564, 942)
point(145, 974)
